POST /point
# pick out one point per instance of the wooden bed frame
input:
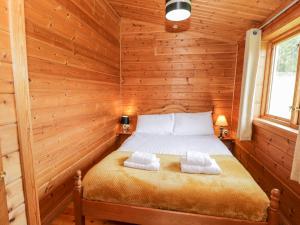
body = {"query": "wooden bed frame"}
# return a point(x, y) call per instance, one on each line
point(150, 216)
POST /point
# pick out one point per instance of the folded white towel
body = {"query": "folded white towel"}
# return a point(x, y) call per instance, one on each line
point(143, 157)
point(197, 158)
point(212, 169)
point(154, 165)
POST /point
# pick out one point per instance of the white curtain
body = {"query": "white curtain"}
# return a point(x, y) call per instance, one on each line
point(296, 162)
point(251, 59)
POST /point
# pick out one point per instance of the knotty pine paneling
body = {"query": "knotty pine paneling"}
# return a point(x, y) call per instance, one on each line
point(269, 160)
point(269, 155)
point(164, 71)
point(226, 19)
point(9, 145)
point(73, 52)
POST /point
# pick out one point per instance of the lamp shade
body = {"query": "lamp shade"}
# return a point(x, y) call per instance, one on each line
point(125, 120)
point(178, 10)
point(221, 121)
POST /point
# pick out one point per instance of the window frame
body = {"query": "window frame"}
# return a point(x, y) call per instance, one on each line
point(294, 121)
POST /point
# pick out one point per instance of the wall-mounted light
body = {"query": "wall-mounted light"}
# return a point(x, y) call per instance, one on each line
point(178, 10)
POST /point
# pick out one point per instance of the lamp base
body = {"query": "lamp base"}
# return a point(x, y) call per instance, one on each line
point(221, 133)
point(125, 128)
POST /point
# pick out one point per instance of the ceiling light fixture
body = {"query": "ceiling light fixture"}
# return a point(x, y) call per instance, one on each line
point(178, 10)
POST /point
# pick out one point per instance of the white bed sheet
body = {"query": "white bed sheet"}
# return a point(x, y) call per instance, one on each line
point(174, 144)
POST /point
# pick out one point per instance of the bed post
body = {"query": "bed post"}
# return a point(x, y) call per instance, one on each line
point(77, 195)
point(274, 218)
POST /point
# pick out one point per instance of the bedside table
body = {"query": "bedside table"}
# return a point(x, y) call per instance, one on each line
point(122, 136)
point(229, 142)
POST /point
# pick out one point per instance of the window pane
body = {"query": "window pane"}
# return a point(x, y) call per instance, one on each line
point(283, 77)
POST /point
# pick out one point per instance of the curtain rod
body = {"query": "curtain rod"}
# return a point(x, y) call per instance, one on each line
point(279, 14)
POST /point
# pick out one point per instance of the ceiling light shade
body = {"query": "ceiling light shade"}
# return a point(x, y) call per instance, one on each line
point(178, 10)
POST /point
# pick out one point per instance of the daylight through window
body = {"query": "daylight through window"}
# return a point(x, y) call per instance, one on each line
point(283, 101)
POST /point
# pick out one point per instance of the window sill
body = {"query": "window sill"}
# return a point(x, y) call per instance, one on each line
point(279, 129)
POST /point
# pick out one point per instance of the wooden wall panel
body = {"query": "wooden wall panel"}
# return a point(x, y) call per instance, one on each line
point(269, 155)
point(9, 145)
point(15, 196)
point(164, 71)
point(18, 216)
point(73, 52)
point(269, 159)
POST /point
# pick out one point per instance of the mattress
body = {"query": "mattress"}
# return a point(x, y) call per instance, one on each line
point(232, 194)
point(174, 144)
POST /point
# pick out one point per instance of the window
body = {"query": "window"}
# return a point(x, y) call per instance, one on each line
point(282, 100)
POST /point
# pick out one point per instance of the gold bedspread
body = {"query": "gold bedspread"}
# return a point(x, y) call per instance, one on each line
point(232, 194)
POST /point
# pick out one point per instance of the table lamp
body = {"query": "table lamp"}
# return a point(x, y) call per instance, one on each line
point(221, 122)
point(125, 123)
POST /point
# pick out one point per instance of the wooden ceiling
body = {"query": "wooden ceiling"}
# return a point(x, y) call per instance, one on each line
point(227, 19)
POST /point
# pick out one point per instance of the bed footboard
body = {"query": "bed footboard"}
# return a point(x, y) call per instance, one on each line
point(77, 195)
point(273, 213)
point(93, 209)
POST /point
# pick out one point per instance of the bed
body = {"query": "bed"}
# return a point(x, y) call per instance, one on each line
point(111, 191)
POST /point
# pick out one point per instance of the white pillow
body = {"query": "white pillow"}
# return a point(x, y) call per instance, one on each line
point(193, 124)
point(155, 124)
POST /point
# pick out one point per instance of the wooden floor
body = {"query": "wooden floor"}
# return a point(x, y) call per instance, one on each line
point(67, 218)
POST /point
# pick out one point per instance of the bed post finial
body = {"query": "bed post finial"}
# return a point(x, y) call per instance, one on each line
point(77, 195)
point(274, 218)
point(78, 180)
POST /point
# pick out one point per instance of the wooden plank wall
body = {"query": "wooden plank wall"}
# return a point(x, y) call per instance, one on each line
point(74, 70)
point(269, 159)
point(163, 71)
point(8, 126)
